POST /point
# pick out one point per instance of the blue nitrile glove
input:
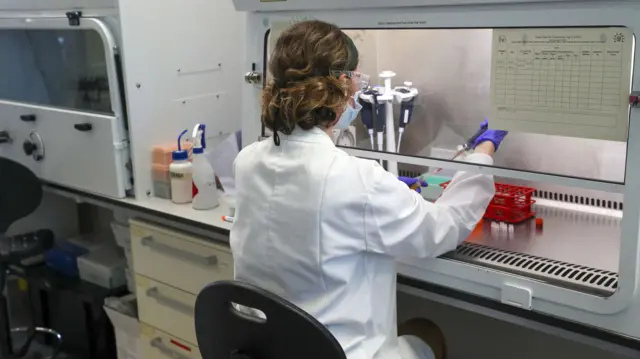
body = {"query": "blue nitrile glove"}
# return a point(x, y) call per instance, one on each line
point(493, 136)
point(410, 181)
point(485, 124)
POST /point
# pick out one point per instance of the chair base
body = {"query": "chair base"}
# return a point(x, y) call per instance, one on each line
point(46, 331)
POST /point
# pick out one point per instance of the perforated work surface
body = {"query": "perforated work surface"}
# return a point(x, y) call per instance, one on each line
point(587, 279)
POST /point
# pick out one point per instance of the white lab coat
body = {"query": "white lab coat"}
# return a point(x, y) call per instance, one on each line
point(322, 229)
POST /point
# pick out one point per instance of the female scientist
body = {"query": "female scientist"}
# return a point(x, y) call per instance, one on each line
point(322, 228)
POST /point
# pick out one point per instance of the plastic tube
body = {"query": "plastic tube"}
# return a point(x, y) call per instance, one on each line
point(400, 132)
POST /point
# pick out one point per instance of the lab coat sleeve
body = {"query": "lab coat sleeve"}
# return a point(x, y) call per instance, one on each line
point(402, 224)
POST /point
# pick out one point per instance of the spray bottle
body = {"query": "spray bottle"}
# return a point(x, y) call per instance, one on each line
point(205, 193)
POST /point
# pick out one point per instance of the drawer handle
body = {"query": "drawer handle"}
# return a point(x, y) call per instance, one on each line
point(28, 118)
point(158, 344)
point(83, 127)
point(154, 293)
point(188, 256)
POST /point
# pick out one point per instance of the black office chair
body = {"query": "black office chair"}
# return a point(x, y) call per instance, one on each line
point(287, 332)
point(20, 195)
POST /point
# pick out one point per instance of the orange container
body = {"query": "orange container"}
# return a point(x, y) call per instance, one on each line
point(161, 154)
point(160, 173)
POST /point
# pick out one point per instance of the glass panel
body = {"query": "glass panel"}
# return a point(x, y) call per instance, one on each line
point(61, 68)
point(567, 236)
point(452, 71)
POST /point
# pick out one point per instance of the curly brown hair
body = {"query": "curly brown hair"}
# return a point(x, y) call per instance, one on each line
point(305, 90)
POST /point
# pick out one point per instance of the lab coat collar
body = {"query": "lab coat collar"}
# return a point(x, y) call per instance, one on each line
point(314, 135)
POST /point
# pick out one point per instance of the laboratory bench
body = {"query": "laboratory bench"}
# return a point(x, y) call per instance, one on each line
point(208, 224)
point(564, 228)
point(193, 249)
point(176, 252)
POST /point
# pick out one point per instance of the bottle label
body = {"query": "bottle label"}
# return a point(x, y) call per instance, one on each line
point(178, 175)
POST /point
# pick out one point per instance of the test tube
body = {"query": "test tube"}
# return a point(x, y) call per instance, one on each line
point(495, 229)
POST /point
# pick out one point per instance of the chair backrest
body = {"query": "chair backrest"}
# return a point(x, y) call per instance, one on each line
point(287, 332)
point(20, 192)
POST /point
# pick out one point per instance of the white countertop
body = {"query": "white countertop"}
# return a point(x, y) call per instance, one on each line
point(164, 207)
point(212, 218)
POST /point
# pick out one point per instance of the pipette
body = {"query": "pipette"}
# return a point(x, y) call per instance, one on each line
point(381, 113)
point(406, 110)
point(372, 116)
point(406, 96)
point(466, 146)
point(367, 114)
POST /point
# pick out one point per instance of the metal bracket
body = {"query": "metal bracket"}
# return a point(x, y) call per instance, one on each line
point(253, 77)
point(74, 17)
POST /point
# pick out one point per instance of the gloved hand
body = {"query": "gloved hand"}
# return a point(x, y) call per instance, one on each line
point(493, 136)
point(409, 181)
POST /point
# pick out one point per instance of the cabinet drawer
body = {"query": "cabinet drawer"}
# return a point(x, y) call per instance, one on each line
point(155, 344)
point(166, 308)
point(177, 259)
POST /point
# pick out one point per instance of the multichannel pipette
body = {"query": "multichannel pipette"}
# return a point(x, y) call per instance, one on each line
point(370, 116)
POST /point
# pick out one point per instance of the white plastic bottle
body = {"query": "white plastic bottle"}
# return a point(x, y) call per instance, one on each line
point(181, 173)
point(205, 191)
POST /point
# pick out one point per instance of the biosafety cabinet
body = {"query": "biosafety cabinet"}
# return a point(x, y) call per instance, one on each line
point(560, 76)
point(62, 102)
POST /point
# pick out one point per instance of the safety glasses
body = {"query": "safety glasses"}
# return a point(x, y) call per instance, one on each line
point(362, 81)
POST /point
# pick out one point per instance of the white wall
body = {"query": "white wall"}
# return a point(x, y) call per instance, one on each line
point(55, 213)
point(183, 65)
